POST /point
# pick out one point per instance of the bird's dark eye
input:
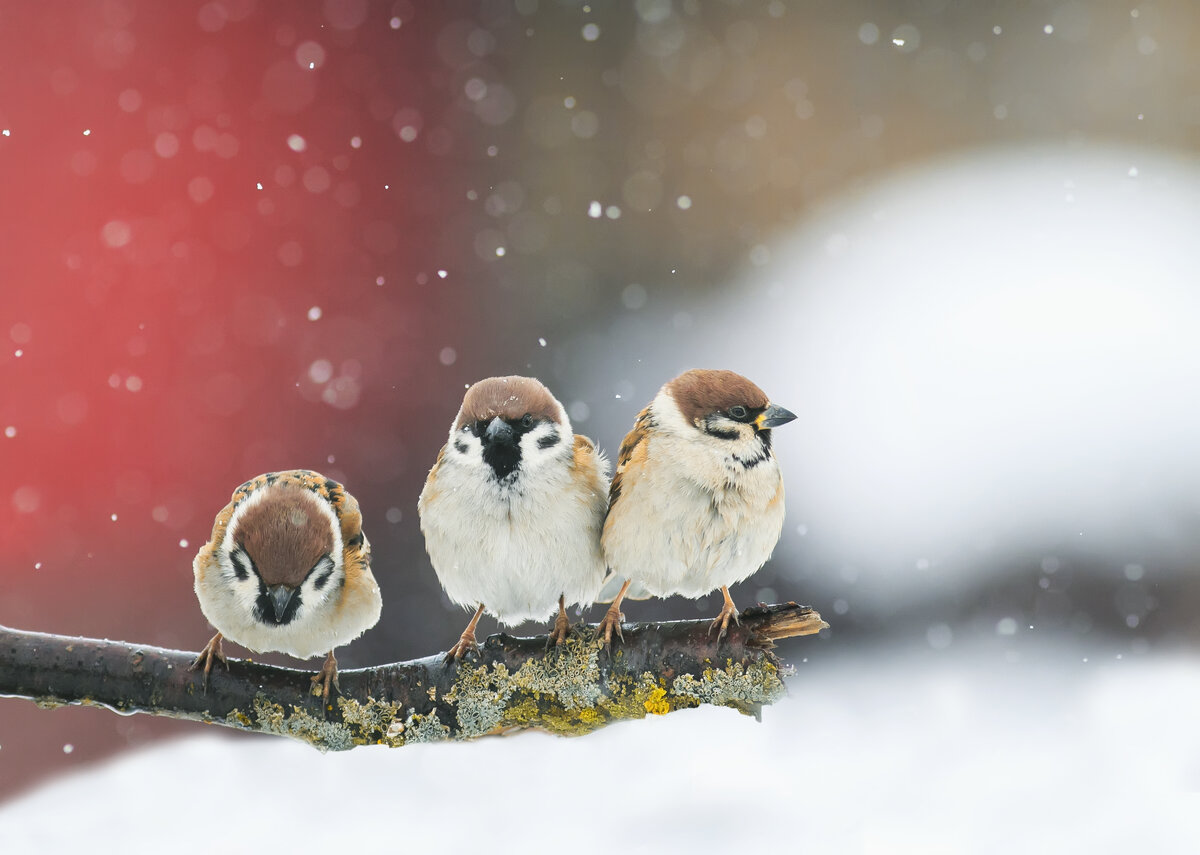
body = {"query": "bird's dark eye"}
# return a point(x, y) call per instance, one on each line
point(738, 412)
point(527, 420)
point(478, 428)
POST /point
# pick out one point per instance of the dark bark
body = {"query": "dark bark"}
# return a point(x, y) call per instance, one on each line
point(515, 683)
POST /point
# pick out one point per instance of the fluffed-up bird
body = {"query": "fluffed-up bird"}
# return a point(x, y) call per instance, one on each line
point(511, 511)
point(287, 569)
point(696, 503)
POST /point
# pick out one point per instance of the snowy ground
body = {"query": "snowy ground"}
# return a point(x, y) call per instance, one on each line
point(968, 750)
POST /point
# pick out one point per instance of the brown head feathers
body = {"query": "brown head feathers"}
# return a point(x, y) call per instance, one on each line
point(701, 392)
point(509, 398)
point(285, 534)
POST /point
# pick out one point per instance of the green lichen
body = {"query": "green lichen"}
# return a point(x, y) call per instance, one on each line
point(561, 692)
point(424, 728)
point(744, 688)
point(564, 692)
point(479, 696)
point(369, 722)
point(570, 672)
point(324, 735)
point(630, 698)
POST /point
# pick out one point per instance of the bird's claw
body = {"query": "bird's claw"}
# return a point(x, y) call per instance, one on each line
point(326, 678)
point(562, 630)
point(465, 646)
point(610, 623)
point(211, 652)
point(728, 612)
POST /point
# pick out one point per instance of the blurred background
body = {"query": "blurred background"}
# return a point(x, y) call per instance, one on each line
point(956, 239)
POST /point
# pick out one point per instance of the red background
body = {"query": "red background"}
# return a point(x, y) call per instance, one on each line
point(158, 344)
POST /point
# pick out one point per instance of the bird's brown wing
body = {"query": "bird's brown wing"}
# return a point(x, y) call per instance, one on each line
point(590, 463)
point(633, 447)
point(633, 452)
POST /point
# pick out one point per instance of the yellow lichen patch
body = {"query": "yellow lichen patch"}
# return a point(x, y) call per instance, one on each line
point(522, 713)
point(657, 704)
point(367, 722)
point(237, 718)
point(625, 697)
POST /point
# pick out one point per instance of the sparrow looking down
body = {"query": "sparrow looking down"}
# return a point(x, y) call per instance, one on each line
point(697, 501)
point(512, 509)
point(287, 569)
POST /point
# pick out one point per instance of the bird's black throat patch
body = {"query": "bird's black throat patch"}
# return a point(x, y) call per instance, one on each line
point(505, 457)
point(264, 609)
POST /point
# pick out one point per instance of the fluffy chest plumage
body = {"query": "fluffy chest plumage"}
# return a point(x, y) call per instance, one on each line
point(317, 628)
point(514, 545)
point(692, 517)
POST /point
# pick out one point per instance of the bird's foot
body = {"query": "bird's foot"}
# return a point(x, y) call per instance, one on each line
point(466, 646)
point(728, 613)
point(561, 631)
point(326, 678)
point(609, 624)
point(211, 652)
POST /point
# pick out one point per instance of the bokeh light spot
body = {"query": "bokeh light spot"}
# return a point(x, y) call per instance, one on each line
point(290, 254)
point(345, 14)
point(200, 189)
point(26, 500)
point(116, 233)
point(310, 55)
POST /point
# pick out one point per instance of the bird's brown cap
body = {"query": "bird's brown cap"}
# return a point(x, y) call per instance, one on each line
point(509, 398)
point(701, 392)
point(285, 534)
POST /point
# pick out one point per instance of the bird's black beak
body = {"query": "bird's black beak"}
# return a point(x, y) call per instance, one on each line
point(281, 595)
point(499, 432)
point(772, 417)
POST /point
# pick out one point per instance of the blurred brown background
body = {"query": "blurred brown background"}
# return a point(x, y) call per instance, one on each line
point(240, 236)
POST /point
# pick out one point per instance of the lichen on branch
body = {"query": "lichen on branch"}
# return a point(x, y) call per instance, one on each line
point(514, 683)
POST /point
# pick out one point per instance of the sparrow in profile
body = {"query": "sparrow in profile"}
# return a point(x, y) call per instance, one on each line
point(287, 569)
point(512, 509)
point(697, 500)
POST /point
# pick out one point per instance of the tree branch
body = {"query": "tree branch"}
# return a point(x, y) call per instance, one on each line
point(516, 683)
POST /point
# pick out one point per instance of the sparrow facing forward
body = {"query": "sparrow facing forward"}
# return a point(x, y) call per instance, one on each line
point(287, 569)
point(697, 501)
point(512, 509)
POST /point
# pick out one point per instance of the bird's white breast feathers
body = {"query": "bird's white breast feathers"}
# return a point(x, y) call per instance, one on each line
point(317, 628)
point(689, 518)
point(517, 547)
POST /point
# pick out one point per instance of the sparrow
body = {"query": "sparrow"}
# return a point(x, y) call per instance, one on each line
point(287, 569)
point(697, 500)
point(512, 509)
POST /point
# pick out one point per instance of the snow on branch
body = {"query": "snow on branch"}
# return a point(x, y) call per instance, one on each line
point(515, 683)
